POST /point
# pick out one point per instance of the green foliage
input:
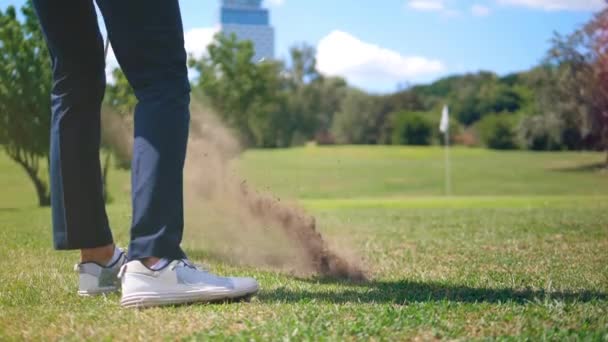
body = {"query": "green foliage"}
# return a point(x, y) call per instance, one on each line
point(557, 105)
point(245, 94)
point(411, 128)
point(541, 132)
point(545, 123)
point(330, 92)
point(454, 130)
point(303, 68)
point(312, 100)
point(433, 116)
point(497, 131)
point(268, 103)
point(581, 63)
point(25, 76)
point(119, 95)
point(406, 100)
point(355, 122)
point(499, 98)
point(472, 96)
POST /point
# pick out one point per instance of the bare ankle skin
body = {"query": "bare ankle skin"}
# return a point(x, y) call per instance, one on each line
point(100, 255)
point(149, 261)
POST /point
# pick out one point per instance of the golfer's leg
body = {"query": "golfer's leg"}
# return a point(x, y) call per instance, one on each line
point(147, 38)
point(75, 45)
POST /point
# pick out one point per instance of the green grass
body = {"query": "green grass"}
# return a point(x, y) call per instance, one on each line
point(520, 252)
point(374, 171)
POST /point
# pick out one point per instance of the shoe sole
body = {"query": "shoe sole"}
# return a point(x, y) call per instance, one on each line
point(99, 291)
point(151, 299)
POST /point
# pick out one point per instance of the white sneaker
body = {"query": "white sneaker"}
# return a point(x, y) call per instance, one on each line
point(178, 283)
point(95, 279)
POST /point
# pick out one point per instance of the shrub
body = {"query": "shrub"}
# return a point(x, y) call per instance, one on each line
point(355, 122)
point(541, 132)
point(411, 128)
point(454, 130)
point(466, 138)
point(497, 131)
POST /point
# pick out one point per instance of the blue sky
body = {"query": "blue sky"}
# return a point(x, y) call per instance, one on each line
point(379, 44)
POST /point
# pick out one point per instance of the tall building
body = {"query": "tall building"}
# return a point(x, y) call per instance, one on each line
point(249, 21)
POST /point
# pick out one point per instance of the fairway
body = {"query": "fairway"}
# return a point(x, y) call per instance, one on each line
point(519, 251)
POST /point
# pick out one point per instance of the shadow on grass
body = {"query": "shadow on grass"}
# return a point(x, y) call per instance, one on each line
point(594, 167)
point(405, 291)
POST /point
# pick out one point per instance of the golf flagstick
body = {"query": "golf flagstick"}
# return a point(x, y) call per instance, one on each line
point(444, 127)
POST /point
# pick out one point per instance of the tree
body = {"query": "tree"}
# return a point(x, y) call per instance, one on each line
point(545, 123)
point(354, 123)
point(404, 100)
point(120, 95)
point(25, 75)
point(332, 92)
point(303, 68)
point(468, 92)
point(582, 63)
point(302, 92)
point(411, 128)
point(472, 96)
point(541, 132)
point(312, 99)
point(498, 98)
point(245, 94)
point(497, 131)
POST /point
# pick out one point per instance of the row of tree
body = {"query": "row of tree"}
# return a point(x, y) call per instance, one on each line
point(561, 104)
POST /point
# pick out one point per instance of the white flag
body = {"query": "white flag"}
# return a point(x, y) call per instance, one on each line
point(445, 120)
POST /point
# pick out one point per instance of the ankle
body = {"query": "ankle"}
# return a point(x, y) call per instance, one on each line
point(100, 255)
point(150, 261)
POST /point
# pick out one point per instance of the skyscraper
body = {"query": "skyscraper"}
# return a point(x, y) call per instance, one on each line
point(249, 21)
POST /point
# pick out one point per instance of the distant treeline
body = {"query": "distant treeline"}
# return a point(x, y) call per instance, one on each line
point(560, 104)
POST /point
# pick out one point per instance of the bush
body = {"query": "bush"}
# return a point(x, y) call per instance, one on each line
point(466, 138)
point(541, 132)
point(454, 129)
point(411, 128)
point(355, 122)
point(497, 131)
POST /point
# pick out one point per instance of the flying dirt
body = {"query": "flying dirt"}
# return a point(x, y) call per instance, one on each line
point(231, 221)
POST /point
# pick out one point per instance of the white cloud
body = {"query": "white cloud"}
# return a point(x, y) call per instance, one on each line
point(426, 5)
point(558, 5)
point(197, 39)
point(370, 66)
point(480, 10)
point(436, 6)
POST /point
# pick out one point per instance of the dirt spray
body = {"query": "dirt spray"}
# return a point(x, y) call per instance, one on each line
point(231, 221)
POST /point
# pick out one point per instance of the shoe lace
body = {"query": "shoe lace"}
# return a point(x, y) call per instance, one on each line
point(181, 263)
point(187, 263)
